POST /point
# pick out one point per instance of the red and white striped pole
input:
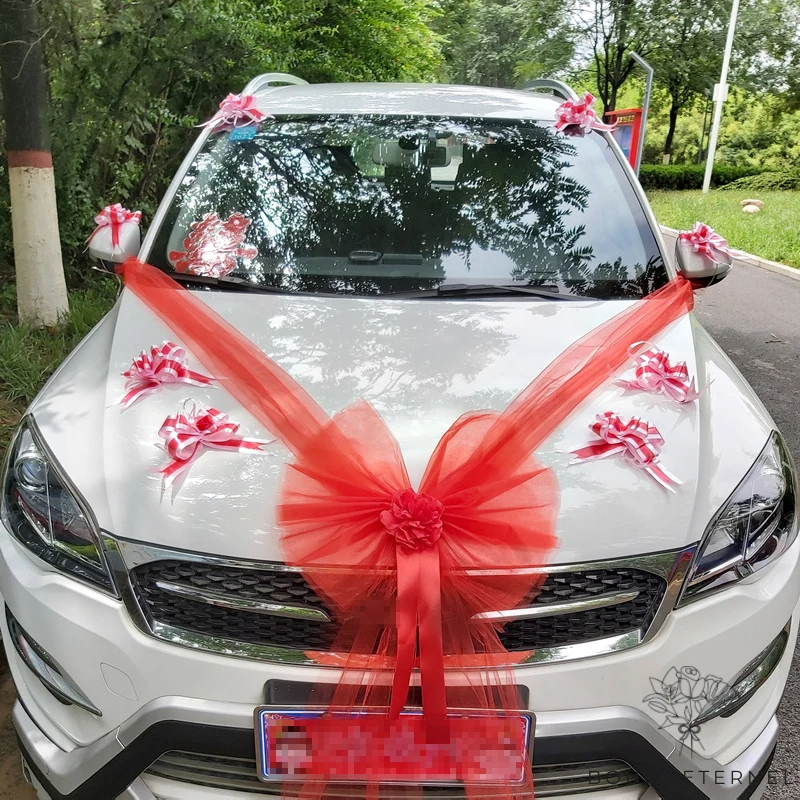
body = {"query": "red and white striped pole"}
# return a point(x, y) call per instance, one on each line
point(41, 288)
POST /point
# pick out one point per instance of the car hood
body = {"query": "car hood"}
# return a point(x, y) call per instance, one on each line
point(421, 364)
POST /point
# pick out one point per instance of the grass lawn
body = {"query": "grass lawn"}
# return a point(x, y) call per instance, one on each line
point(28, 357)
point(774, 233)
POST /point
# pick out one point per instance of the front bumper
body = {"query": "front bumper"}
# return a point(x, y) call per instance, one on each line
point(112, 766)
point(156, 697)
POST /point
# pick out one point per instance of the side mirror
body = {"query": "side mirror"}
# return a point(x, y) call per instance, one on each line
point(699, 268)
point(101, 247)
point(116, 237)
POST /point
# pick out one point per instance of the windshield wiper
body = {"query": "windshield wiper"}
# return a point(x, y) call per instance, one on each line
point(235, 284)
point(486, 290)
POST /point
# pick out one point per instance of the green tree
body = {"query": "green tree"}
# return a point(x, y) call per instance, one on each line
point(497, 43)
point(688, 55)
point(130, 80)
point(614, 28)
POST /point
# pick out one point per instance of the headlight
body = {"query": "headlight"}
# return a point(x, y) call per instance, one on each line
point(756, 524)
point(49, 516)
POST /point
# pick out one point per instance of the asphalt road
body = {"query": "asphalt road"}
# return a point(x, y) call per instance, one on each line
point(755, 316)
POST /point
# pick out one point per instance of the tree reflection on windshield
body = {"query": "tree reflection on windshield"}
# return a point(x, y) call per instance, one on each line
point(375, 205)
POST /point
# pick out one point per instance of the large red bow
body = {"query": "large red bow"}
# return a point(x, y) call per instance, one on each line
point(114, 217)
point(162, 365)
point(640, 441)
point(399, 562)
point(705, 240)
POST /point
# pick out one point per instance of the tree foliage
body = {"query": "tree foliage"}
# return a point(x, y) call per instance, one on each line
point(500, 43)
point(688, 55)
point(130, 80)
point(614, 28)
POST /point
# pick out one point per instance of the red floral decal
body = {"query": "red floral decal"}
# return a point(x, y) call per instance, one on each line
point(213, 246)
point(415, 520)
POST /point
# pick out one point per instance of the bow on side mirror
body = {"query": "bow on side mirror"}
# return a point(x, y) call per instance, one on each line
point(116, 237)
point(699, 268)
point(101, 247)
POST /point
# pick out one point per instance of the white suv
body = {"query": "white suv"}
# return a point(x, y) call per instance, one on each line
point(429, 249)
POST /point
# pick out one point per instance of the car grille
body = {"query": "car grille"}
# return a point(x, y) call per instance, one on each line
point(282, 587)
point(240, 774)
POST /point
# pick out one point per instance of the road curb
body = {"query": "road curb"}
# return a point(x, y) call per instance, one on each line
point(753, 261)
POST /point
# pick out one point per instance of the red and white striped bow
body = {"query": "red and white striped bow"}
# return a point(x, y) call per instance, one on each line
point(237, 110)
point(634, 438)
point(706, 241)
point(150, 371)
point(656, 374)
point(114, 217)
point(580, 113)
point(188, 433)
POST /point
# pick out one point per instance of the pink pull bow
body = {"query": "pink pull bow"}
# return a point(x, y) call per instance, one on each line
point(706, 241)
point(114, 217)
point(634, 438)
point(237, 110)
point(187, 434)
point(162, 365)
point(656, 374)
point(579, 113)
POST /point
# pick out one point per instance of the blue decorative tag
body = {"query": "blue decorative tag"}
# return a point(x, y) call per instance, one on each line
point(243, 134)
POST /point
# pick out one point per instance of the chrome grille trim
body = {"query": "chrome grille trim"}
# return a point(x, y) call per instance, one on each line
point(126, 555)
point(557, 609)
point(255, 606)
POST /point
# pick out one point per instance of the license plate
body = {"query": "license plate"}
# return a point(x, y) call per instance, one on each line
point(295, 744)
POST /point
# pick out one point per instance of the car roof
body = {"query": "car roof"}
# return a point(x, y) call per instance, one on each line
point(414, 99)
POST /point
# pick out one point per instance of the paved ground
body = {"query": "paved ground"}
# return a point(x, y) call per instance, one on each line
point(12, 784)
point(755, 316)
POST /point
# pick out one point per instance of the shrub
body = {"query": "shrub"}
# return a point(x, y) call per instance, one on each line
point(689, 176)
point(767, 182)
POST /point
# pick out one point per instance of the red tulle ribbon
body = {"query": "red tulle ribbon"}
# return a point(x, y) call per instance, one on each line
point(706, 241)
point(634, 438)
point(580, 114)
point(656, 374)
point(162, 365)
point(187, 433)
point(114, 217)
point(236, 110)
point(400, 563)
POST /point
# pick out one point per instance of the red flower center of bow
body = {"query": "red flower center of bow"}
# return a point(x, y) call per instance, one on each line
point(415, 520)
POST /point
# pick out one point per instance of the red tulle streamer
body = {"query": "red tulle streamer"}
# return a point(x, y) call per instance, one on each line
point(403, 607)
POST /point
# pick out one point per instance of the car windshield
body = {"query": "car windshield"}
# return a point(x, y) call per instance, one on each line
point(379, 205)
